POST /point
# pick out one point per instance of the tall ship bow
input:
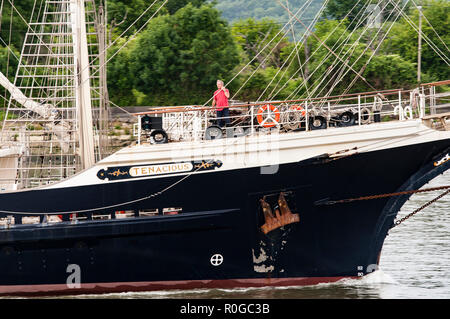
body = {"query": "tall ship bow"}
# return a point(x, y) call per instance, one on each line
point(289, 193)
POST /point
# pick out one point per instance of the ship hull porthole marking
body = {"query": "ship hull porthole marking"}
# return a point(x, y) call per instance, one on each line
point(216, 260)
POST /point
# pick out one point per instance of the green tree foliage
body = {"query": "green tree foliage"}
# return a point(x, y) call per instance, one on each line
point(8, 62)
point(189, 44)
point(390, 71)
point(339, 9)
point(262, 44)
point(122, 13)
point(120, 80)
point(329, 74)
point(269, 82)
point(261, 40)
point(13, 23)
point(293, 57)
point(435, 26)
point(234, 10)
point(354, 10)
point(178, 58)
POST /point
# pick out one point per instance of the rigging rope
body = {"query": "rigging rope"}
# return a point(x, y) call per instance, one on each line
point(349, 53)
point(91, 62)
point(143, 198)
point(328, 48)
point(296, 45)
point(298, 54)
point(423, 15)
point(433, 46)
point(358, 74)
point(317, 49)
point(110, 206)
point(123, 45)
point(155, 194)
point(365, 50)
point(346, 55)
point(281, 30)
point(131, 37)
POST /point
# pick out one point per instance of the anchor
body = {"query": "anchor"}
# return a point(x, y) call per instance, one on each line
point(283, 215)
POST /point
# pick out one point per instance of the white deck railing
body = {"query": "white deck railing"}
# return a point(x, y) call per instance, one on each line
point(199, 122)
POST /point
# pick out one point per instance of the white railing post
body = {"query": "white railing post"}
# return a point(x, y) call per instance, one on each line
point(196, 125)
point(432, 100)
point(400, 107)
point(182, 134)
point(329, 113)
point(251, 120)
point(306, 116)
point(139, 130)
point(421, 105)
point(359, 109)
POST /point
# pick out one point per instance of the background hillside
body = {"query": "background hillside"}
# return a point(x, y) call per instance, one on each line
point(233, 10)
point(178, 54)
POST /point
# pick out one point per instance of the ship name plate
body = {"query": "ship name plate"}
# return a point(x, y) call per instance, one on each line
point(136, 171)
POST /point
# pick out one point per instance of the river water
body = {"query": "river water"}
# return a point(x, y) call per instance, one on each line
point(414, 264)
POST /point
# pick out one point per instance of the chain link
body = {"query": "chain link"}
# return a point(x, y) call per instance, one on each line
point(398, 222)
point(348, 200)
point(401, 220)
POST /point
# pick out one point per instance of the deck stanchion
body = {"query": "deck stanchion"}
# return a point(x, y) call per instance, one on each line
point(359, 109)
point(421, 105)
point(251, 119)
point(329, 114)
point(401, 114)
point(306, 116)
point(139, 130)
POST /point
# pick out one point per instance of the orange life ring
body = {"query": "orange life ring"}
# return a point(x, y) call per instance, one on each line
point(300, 108)
point(269, 121)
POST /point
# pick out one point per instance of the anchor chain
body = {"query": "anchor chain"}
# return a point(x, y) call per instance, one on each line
point(401, 220)
point(398, 222)
point(348, 200)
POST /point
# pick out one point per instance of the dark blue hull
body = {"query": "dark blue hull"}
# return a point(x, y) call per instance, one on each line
point(221, 217)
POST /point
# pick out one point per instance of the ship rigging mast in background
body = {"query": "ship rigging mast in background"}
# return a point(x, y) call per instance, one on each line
point(62, 74)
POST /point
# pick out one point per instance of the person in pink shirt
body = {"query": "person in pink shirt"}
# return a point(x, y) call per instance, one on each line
point(220, 101)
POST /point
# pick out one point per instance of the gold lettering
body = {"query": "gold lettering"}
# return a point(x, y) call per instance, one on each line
point(159, 169)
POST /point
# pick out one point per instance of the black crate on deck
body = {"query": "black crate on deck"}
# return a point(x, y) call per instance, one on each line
point(151, 122)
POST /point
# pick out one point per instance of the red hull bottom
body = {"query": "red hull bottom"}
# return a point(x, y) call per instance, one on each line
point(117, 287)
